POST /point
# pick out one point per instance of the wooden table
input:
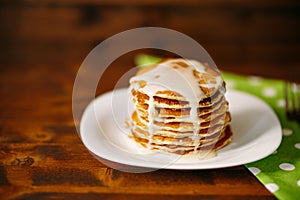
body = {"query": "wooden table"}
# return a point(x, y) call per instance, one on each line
point(42, 157)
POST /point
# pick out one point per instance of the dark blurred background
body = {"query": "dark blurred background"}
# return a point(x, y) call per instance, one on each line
point(243, 36)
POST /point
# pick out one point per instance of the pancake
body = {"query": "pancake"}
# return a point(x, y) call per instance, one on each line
point(180, 108)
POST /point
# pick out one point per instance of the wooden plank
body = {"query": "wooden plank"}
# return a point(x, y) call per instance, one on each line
point(135, 193)
point(215, 24)
point(251, 3)
point(86, 179)
point(96, 196)
point(231, 52)
point(264, 56)
point(16, 156)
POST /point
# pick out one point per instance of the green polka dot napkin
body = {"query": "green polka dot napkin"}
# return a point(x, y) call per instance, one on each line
point(280, 171)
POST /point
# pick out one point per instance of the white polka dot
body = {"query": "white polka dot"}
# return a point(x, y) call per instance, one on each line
point(294, 87)
point(287, 132)
point(298, 183)
point(254, 170)
point(281, 103)
point(272, 187)
point(269, 92)
point(230, 84)
point(254, 80)
point(297, 145)
point(286, 166)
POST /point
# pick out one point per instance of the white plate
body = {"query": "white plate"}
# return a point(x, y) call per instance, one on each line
point(256, 134)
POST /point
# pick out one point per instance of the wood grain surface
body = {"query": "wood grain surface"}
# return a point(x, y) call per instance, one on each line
point(42, 156)
point(42, 46)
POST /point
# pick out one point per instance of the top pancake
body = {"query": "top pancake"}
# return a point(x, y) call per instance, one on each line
point(178, 79)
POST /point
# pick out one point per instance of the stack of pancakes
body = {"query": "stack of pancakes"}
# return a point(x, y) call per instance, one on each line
point(179, 107)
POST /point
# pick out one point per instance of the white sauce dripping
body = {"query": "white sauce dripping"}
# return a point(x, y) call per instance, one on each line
point(171, 76)
point(151, 110)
